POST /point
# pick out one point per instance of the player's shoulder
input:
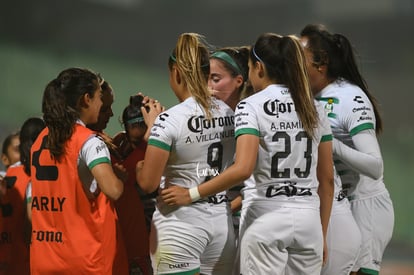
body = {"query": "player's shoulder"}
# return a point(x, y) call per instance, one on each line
point(221, 108)
point(254, 99)
point(119, 137)
point(93, 143)
point(320, 107)
point(181, 109)
point(346, 91)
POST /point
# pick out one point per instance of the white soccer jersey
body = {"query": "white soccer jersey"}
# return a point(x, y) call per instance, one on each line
point(350, 112)
point(189, 238)
point(287, 157)
point(199, 148)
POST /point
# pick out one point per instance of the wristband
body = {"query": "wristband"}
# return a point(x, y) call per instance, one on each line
point(194, 194)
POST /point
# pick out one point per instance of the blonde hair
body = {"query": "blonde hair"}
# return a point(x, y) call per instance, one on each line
point(191, 56)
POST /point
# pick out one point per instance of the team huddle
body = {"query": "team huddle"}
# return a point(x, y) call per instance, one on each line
point(269, 164)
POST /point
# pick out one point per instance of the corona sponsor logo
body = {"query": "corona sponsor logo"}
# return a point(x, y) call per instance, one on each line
point(275, 107)
point(197, 124)
point(48, 236)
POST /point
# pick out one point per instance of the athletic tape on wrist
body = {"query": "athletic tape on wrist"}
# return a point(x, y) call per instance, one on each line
point(194, 194)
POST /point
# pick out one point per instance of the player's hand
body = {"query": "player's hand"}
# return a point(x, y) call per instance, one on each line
point(120, 171)
point(325, 252)
point(151, 102)
point(150, 111)
point(175, 195)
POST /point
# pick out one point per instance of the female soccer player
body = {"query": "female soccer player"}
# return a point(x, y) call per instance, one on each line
point(355, 120)
point(73, 184)
point(285, 140)
point(130, 148)
point(14, 225)
point(189, 144)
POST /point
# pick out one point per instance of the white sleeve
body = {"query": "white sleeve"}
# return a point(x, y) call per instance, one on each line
point(365, 158)
point(29, 192)
point(95, 151)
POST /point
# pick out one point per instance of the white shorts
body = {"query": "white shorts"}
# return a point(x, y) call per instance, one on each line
point(280, 241)
point(375, 218)
point(199, 237)
point(343, 240)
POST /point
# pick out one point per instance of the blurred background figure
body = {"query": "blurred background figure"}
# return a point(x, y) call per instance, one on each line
point(10, 153)
point(134, 207)
point(15, 223)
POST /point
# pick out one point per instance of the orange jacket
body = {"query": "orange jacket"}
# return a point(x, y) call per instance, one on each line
point(14, 248)
point(71, 233)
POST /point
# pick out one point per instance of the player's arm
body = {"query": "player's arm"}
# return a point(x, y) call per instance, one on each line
point(107, 181)
point(366, 158)
point(245, 161)
point(96, 155)
point(325, 175)
point(28, 214)
point(28, 200)
point(236, 204)
point(150, 170)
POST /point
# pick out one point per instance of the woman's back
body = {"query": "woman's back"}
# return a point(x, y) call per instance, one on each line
point(200, 148)
point(59, 202)
point(287, 156)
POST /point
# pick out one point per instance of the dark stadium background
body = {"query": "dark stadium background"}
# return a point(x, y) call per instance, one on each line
point(129, 41)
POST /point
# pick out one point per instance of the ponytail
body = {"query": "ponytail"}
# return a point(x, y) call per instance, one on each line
point(191, 56)
point(284, 60)
point(60, 105)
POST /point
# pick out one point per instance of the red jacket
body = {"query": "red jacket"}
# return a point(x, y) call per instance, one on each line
point(130, 211)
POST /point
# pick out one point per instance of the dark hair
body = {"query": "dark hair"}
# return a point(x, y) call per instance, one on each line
point(192, 57)
point(106, 108)
point(106, 88)
point(240, 57)
point(31, 128)
point(132, 113)
point(285, 63)
point(7, 141)
point(61, 105)
point(336, 52)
